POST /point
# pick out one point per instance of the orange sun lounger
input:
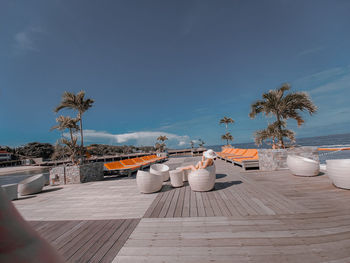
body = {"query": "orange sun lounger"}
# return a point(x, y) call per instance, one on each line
point(224, 151)
point(238, 153)
point(246, 154)
point(149, 159)
point(248, 161)
point(129, 163)
point(119, 167)
point(139, 161)
point(231, 151)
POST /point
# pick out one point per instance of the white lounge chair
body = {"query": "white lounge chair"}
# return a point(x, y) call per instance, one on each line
point(31, 185)
point(339, 172)
point(148, 183)
point(302, 166)
point(202, 180)
point(11, 191)
point(160, 169)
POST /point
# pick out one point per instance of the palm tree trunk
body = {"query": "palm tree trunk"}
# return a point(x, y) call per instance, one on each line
point(81, 137)
point(226, 141)
point(280, 137)
point(71, 134)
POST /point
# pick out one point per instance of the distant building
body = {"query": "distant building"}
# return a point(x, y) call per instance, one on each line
point(5, 156)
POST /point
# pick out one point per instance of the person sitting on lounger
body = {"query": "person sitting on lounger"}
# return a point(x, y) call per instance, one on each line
point(207, 160)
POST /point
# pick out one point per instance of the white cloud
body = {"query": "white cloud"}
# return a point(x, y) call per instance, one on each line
point(333, 86)
point(330, 80)
point(136, 138)
point(25, 40)
point(310, 51)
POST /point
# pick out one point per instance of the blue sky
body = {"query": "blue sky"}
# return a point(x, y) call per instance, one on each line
point(170, 67)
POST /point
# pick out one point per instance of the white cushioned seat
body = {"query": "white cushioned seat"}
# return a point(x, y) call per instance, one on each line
point(202, 180)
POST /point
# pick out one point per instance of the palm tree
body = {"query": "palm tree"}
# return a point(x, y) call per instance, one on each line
point(192, 144)
point(159, 146)
point(226, 120)
point(271, 132)
point(66, 122)
point(227, 137)
point(283, 107)
point(162, 138)
point(80, 104)
point(72, 147)
point(201, 143)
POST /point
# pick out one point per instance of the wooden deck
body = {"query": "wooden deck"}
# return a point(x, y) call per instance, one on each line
point(250, 216)
point(86, 240)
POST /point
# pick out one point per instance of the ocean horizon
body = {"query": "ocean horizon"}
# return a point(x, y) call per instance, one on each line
point(332, 140)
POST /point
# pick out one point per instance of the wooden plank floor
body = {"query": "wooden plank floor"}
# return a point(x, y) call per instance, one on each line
point(109, 199)
point(233, 195)
point(250, 216)
point(226, 239)
point(86, 240)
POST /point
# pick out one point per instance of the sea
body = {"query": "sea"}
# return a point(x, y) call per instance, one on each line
point(333, 141)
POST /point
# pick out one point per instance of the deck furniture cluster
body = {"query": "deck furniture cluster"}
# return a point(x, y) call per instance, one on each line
point(201, 180)
point(128, 166)
point(246, 158)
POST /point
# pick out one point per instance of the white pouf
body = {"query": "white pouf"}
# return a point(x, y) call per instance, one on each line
point(339, 172)
point(176, 178)
point(148, 183)
point(31, 185)
point(302, 166)
point(202, 180)
point(160, 169)
point(185, 174)
point(11, 191)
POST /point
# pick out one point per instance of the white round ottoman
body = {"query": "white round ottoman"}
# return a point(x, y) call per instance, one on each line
point(302, 166)
point(31, 185)
point(10, 191)
point(202, 180)
point(339, 172)
point(160, 169)
point(185, 174)
point(176, 178)
point(148, 183)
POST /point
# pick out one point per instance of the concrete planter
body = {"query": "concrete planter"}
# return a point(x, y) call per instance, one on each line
point(76, 174)
point(276, 159)
point(148, 183)
point(202, 180)
point(339, 172)
point(160, 169)
point(11, 191)
point(302, 166)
